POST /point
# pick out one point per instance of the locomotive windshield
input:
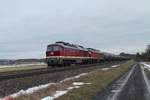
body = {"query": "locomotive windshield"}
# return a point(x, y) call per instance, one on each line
point(54, 48)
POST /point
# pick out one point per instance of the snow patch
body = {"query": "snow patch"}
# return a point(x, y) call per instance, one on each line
point(116, 91)
point(60, 93)
point(31, 90)
point(70, 88)
point(76, 87)
point(105, 68)
point(147, 66)
point(48, 98)
point(78, 76)
point(80, 83)
point(115, 66)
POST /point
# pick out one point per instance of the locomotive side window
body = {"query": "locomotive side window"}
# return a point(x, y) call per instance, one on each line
point(54, 48)
point(57, 48)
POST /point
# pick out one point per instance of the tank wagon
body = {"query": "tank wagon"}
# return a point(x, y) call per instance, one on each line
point(65, 54)
point(113, 57)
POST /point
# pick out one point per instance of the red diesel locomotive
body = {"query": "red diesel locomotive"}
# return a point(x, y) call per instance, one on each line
point(62, 53)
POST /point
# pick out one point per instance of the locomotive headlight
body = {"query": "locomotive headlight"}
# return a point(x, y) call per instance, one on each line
point(52, 53)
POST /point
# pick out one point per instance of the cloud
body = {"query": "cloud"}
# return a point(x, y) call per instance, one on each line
point(27, 26)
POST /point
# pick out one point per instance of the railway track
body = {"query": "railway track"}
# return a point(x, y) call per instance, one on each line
point(20, 74)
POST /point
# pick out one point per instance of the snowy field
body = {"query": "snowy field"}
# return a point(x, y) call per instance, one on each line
point(21, 65)
point(9, 68)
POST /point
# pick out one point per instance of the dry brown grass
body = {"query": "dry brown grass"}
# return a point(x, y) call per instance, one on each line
point(29, 67)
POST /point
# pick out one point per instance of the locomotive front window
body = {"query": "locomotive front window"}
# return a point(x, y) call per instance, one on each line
point(54, 48)
point(50, 48)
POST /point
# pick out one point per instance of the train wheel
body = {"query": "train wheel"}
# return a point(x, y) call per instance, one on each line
point(48, 64)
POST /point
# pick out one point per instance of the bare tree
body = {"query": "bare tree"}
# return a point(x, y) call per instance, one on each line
point(147, 53)
point(144, 55)
point(148, 49)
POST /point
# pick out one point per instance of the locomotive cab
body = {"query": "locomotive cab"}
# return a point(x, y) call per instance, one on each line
point(53, 54)
point(54, 50)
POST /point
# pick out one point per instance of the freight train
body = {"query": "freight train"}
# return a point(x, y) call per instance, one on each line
point(65, 54)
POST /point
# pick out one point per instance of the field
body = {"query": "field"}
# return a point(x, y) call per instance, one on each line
point(97, 79)
point(21, 67)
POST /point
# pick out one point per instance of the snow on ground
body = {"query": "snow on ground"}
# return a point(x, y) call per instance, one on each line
point(30, 90)
point(21, 65)
point(75, 85)
point(105, 68)
point(78, 76)
point(115, 66)
point(147, 66)
point(80, 83)
point(36, 88)
point(60, 93)
point(48, 98)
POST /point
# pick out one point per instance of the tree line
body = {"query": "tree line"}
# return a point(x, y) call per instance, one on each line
point(144, 55)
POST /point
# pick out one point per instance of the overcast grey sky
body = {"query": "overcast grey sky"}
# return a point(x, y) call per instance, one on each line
point(27, 26)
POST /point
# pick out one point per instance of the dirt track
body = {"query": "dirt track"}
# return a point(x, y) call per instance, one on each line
point(132, 86)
